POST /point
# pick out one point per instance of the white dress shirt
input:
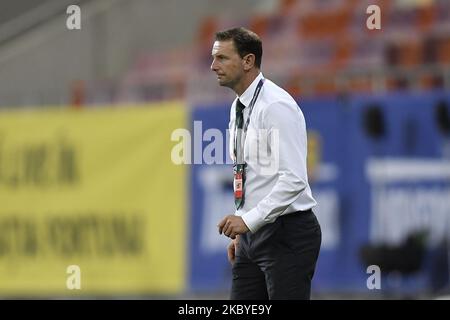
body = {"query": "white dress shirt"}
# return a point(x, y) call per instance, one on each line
point(275, 148)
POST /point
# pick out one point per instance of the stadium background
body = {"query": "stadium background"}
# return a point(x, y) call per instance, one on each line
point(87, 122)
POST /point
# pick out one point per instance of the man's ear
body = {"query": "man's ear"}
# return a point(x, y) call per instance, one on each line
point(248, 61)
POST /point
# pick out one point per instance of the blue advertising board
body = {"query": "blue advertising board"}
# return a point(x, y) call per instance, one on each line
point(379, 168)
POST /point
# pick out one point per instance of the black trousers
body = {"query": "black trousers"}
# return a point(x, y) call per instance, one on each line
point(277, 261)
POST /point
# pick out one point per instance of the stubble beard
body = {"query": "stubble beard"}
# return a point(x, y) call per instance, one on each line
point(230, 83)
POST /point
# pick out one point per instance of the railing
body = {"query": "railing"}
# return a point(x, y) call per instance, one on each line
point(23, 23)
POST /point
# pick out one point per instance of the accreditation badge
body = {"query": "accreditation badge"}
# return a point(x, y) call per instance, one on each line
point(238, 184)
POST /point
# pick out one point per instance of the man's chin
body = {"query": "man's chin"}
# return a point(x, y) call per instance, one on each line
point(223, 83)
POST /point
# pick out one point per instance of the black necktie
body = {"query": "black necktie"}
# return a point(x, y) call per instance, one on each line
point(239, 125)
point(239, 114)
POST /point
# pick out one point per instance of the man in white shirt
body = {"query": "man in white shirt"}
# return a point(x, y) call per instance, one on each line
point(275, 235)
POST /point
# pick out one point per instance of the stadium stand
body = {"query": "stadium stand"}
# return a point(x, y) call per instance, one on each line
point(312, 47)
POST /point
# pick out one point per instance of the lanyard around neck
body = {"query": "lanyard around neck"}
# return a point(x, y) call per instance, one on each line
point(238, 132)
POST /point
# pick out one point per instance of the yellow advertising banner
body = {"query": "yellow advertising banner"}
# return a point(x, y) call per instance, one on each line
point(91, 203)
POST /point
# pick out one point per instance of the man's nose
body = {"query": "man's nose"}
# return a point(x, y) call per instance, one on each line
point(214, 65)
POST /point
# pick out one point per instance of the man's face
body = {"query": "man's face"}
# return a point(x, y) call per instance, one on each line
point(227, 63)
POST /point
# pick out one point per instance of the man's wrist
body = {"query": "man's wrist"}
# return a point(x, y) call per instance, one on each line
point(252, 220)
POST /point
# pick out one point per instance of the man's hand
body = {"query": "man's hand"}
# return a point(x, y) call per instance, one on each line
point(232, 247)
point(232, 225)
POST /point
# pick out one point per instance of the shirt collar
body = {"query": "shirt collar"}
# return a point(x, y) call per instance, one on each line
point(247, 96)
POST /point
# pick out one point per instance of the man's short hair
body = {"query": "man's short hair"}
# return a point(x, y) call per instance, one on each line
point(245, 41)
